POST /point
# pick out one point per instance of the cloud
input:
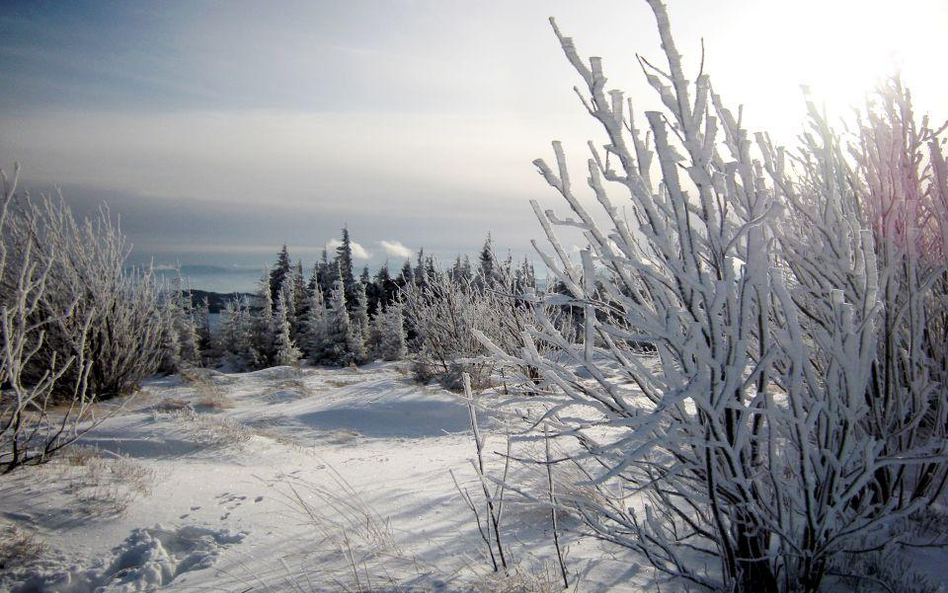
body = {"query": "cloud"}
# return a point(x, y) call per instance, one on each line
point(358, 251)
point(395, 249)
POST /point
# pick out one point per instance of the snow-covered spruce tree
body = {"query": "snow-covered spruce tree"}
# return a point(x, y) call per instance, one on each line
point(342, 344)
point(170, 342)
point(235, 334)
point(314, 325)
point(343, 263)
point(387, 334)
point(300, 299)
point(360, 313)
point(758, 290)
point(487, 262)
point(181, 338)
point(288, 292)
point(262, 334)
point(202, 323)
point(373, 342)
point(386, 287)
point(406, 276)
point(393, 345)
point(357, 353)
point(285, 352)
point(279, 272)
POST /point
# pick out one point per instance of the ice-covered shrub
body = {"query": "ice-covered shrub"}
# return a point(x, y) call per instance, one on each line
point(901, 184)
point(756, 428)
point(76, 325)
point(87, 282)
point(444, 310)
point(443, 314)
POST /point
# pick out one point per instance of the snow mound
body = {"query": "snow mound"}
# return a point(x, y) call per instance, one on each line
point(148, 559)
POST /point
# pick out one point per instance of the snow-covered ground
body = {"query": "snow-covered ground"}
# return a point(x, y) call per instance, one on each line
point(268, 480)
point(287, 480)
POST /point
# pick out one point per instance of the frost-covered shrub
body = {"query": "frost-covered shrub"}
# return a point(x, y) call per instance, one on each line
point(61, 330)
point(766, 428)
point(87, 281)
point(901, 184)
point(443, 314)
point(446, 309)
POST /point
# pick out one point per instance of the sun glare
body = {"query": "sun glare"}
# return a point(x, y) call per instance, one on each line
point(841, 49)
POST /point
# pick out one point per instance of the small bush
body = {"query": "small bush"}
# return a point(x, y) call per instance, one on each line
point(18, 547)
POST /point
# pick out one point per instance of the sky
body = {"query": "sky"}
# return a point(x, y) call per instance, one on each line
point(220, 130)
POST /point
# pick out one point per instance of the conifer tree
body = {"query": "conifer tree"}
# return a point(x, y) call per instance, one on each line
point(280, 271)
point(202, 323)
point(373, 342)
point(360, 315)
point(314, 340)
point(339, 332)
point(300, 296)
point(385, 287)
point(527, 276)
point(486, 262)
point(344, 261)
point(392, 333)
point(419, 271)
point(288, 292)
point(182, 338)
point(263, 327)
point(285, 352)
point(407, 275)
point(461, 270)
point(170, 343)
point(430, 268)
point(326, 272)
point(235, 334)
point(456, 269)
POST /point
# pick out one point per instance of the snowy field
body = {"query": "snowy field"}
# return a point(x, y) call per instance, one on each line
point(285, 480)
point(280, 479)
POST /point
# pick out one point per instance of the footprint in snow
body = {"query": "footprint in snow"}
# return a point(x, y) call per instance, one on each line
point(148, 559)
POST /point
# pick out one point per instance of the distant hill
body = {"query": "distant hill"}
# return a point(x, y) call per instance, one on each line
point(217, 300)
